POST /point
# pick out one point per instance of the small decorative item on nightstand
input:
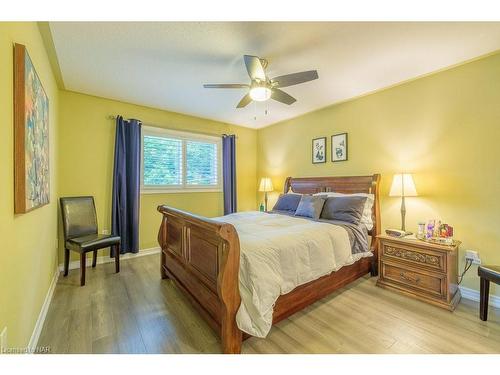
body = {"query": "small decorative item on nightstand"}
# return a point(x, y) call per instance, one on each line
point(437, 232)
point(423, 270)
point(421, 230)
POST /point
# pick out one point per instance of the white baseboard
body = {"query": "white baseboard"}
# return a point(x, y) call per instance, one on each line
point(473, 295)
point(107, 259)
point(43, 313)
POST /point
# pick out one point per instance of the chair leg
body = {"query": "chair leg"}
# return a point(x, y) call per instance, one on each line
point(483, 299)
point(94, 259)
point(66, 261)
point(117, 259)
point(83, 265)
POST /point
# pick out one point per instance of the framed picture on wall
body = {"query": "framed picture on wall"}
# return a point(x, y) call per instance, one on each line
point(31, 135)
point(319, 150)
point(339, 147)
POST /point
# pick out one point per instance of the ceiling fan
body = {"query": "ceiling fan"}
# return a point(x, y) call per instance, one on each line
point(261, 87)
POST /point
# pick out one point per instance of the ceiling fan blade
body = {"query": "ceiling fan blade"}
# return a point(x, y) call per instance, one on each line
point(295, 78)
point(244, 101)
point(282, 97)
point(254, 68)
point(225, 86)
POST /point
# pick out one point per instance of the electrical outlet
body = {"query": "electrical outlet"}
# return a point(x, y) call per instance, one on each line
point(3, 341)
point(473, 256)
point(105, 231)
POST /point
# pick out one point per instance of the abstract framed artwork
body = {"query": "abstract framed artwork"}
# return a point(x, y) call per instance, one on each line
point(319, 150)
point(31, 136)
point(339, 147)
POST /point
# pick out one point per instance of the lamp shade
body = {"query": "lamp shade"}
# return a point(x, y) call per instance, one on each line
point(266, 184)
point(403, 186)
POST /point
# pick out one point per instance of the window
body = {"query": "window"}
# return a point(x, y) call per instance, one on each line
point(175, 161)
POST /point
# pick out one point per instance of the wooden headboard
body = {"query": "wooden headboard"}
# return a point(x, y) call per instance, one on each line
point(346, 185)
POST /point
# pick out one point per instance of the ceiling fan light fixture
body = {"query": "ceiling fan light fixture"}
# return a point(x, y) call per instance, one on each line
point(261, 88)
point(260, 94)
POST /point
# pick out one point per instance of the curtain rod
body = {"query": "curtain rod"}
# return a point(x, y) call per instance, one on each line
point(113, 117)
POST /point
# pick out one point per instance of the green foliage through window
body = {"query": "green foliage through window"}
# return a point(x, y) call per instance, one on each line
point(162, 161)
point(164, 165)
point(201, 163)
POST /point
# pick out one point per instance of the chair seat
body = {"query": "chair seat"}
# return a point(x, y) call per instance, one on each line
point(491, 273)
point(92, 242)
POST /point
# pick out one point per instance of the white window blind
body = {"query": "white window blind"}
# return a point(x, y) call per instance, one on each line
point(175, 161)
point(162, 161)
point(201, 163)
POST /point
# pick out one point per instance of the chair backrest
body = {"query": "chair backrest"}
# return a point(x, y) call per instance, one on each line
point(78, 216)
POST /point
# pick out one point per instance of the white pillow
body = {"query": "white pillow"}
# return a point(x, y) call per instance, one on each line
point(366, 219)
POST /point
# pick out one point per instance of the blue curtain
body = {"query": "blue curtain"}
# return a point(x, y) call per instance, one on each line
point(126, 184)
point(229, 173)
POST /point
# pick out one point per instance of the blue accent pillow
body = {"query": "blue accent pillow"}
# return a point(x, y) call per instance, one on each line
point(310, 206)
point(287, 202)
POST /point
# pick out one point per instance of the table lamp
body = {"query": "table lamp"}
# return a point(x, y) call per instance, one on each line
point(403, 186)
point(266, 185)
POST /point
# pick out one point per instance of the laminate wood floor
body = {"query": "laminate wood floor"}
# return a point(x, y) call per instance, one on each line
point(137, 312)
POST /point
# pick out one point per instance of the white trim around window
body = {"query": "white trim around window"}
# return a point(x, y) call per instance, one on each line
point(184, 137)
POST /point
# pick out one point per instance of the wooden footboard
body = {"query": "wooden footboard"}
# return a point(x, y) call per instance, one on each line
point(202, 256)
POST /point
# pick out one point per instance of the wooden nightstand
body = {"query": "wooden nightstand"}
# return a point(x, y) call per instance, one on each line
point(420, 269)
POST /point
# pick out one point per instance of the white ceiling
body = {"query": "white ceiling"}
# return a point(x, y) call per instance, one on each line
point(164, 64)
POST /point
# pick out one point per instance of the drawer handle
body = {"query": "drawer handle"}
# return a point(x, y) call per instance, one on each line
point(415, 280)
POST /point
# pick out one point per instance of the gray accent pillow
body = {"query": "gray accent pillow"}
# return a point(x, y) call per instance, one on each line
point(348, 209)
point(287, 202)
point(310, 206)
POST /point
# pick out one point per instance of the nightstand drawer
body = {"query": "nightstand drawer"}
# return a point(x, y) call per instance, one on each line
point(433, 260)
point(429, 283)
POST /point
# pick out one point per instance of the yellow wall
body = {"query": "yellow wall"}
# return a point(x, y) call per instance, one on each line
point(28, 254)
point(444, 128)
point(86, 159)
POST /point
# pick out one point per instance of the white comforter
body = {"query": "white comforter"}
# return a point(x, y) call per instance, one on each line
point(279, 253)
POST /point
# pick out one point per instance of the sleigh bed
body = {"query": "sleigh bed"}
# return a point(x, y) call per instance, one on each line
point(202, 256)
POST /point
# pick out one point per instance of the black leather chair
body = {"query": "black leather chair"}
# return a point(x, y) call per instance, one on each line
point(487, 274)
point(81, 235)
